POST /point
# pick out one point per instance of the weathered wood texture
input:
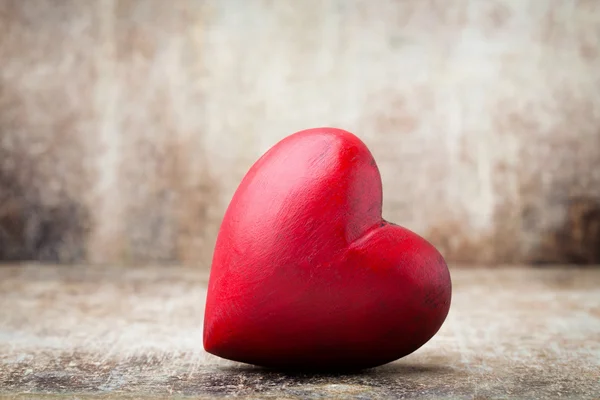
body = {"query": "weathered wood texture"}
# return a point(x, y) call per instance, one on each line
point(520, 333)
point(125, 125)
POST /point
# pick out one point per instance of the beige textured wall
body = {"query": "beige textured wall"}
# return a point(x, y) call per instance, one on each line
point(125, 126)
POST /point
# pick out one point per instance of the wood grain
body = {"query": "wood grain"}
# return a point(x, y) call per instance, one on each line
point(116, 333)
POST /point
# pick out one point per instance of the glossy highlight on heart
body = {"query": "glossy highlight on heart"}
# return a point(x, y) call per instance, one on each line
point(306, 273)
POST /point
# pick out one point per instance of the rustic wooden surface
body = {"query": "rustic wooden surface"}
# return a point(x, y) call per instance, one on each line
point(114, 333)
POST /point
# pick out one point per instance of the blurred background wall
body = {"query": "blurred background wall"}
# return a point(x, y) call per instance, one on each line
point(126, 125)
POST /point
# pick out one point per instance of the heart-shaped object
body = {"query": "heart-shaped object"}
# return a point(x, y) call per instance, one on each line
point(307, 275)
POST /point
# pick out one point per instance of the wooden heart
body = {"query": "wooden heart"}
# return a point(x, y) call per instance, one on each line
point(307, 275)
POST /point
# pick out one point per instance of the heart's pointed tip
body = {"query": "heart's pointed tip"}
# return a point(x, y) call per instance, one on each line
point(207, 344)
point(214, 348)
point(217, 344)
point(210, 343)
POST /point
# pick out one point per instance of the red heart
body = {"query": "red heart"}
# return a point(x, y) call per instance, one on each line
point(307, 275)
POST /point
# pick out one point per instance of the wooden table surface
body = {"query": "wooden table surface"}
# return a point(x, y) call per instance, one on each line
point(112, 332)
